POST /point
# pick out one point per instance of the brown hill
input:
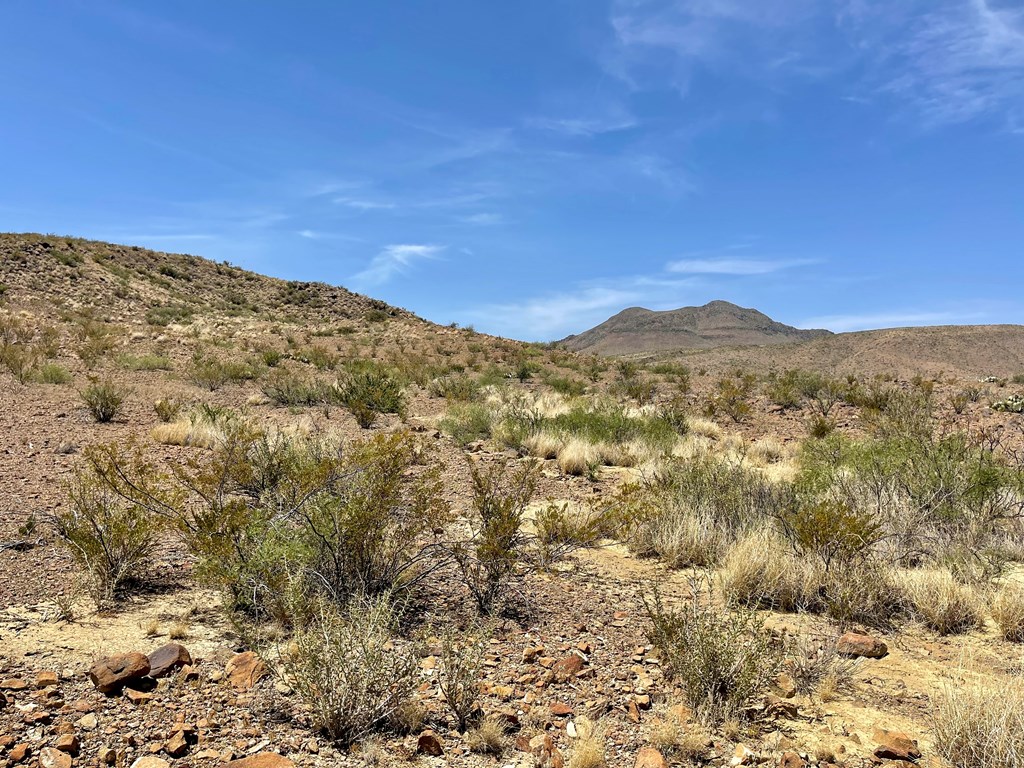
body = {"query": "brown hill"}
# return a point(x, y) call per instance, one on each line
point(716, 324)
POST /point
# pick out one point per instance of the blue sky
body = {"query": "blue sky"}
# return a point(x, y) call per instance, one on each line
point(533, 167)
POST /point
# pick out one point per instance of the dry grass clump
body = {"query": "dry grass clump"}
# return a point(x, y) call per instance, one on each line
point(671, 736)
point(980, 726)
point(578, 457)
point(682, 540)
point(817, 668)
point(942, 603)
point(543, 445)
point(589, 749)
point(704, 428)
point(760, 570)
point(488, 737)
point(766, 451)
point(1007, 607)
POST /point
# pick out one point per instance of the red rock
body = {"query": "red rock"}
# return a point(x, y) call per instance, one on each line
point(13, 684)
point(137, 697)
point(68, 743)
point(545, 753)
point(107, 756)
point(263, 760)
point(429, 744)
point(177, 745)
point(47, 679)
point(567, 668)
point(167, 658)
point(896, 745)
point(649, 757)
point(245, 670)
point(19, 752)
point(558, 709)
point(853, 644)
point(113, 673)
point(792, 760)
point(53, 758)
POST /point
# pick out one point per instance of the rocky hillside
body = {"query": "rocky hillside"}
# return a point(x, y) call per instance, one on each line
point(716, 324)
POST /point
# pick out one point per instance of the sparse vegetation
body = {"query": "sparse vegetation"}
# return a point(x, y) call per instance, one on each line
point(104, 399)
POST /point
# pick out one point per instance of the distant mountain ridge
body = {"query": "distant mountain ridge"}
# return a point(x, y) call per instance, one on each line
point(715, 324)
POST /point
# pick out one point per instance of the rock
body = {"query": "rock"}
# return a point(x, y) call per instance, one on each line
point(53, 758)
point(68, 743)
point(558, 709)
point(545, 753)
point(19, 752)
point(245, 670)
point(896, 745)
point(177, 745)
point(113, 673)
point(149, 761)
point(567, 668)
point(88, 721)
point(167, 658)
point(107, 756)
point(785, 686)
point(780, 707)
point(649, 757)
point(4, 701)
point(853, 644)
point(47, 679)
point(743, 755)
point(429, 744)
point(13, 684)
point(263, 760)
point(791, 759)
point(137, 697)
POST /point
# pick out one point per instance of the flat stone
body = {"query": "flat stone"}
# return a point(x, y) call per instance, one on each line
point(113, 673)
point(895, 745)
point(244, 670)
point(429, 744)
point(149, 761)
point(54, 758)
point(263, 760)
point(649, 757)
point(167, 658)
point(47, 679)
point(854, 645)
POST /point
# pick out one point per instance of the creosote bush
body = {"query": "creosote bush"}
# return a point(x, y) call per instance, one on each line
point(104, 399)
point(111, 538)
point(721, 657)
point(462, 656)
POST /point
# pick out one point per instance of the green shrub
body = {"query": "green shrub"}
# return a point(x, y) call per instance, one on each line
point(286, 387)
point(167, 409)
point(722, 658)
point(462, 657)
point(112, 539)
point(731, 397)
point(468, 422)
point(51, 373)
point(165, 315)
point(564, 385)
point(145, 363)
point(368, 393)
point(104, 399)
point(454, 387)
point(488, 561)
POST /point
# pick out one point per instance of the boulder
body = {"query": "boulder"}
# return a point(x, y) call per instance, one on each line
point(649, 757)
point(567, 668)
point(53, 758)
point(854, 645)
point(896, 745)
point(791, 759)
point(244, 670)
point(262, 760)
point(167, 658)
point(429, 744)
point(113, 673)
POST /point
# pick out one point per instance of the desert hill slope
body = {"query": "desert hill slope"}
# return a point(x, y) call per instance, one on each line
point(716, 324)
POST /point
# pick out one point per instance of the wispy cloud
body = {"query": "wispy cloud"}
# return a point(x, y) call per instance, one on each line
point(583, 126)
point(482, 219)
point(726, 266)
point(392, 261)
point(897, 319)
point(364, 205)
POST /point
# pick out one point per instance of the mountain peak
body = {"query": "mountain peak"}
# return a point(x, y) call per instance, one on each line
point(715, 324)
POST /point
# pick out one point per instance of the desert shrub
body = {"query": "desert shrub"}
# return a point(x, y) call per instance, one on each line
point(1007, 607)
point(112, 539)
point(270, 357)
point(608, 423)
point(490, 558)
point(563, 528)
point(816, 666)
point(349, 669)
point(286, 387)
point(212, 374)
point(51, 373)
point(688, 513)
point(319, 357)
point(489, 737)
point(564, 385)
point(819, 426)
point(374, 532)
point(977, 725)
point(833, 531)
point(731, 396)
point(167, 408)
point(579, 457)
point(462, 657)
point(145, 362)
point(104, 399)
point(467, 422)
point(864, 591)
point(368, 393)
point(164, 315)
point(941, 603)
point(454, 387)
point(721, 657)
point(958, 401)
point(760, 571)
